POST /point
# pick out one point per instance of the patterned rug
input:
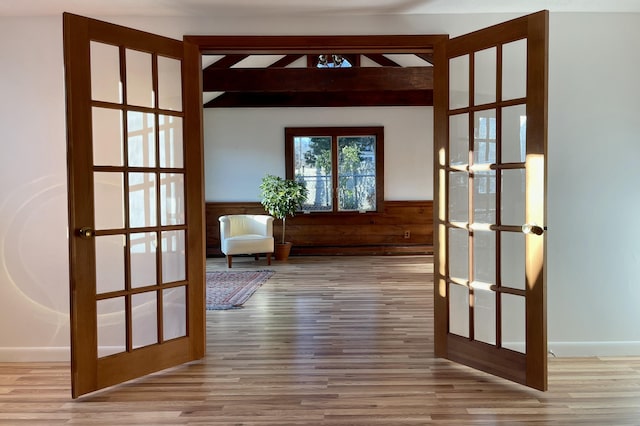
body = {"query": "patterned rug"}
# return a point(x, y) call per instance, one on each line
point(229, 290)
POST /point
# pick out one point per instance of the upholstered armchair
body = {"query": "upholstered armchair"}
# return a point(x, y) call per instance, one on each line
point(246, 234)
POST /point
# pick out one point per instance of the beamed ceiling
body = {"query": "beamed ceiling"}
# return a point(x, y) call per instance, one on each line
point(293, 80)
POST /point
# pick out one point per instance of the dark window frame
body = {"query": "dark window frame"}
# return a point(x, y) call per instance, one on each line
point(291, 132)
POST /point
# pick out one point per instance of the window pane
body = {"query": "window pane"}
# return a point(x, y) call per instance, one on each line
point(142, 200)
point(312, 164)
point(141, 138)
point(357, 173)
point(105, 73)
point(139, 78)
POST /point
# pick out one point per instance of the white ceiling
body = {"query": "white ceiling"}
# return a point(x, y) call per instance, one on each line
point(96, 8)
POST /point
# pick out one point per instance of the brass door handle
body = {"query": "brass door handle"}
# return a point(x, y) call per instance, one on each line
point(533, 229)
point(86, 232)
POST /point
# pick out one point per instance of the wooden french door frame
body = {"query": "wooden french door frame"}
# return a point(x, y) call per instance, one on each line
point(89, 370)
point(83, 317)
point(528, 368)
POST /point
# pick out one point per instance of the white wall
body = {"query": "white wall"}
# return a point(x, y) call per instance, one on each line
point(594, 102)
point(254, 139)
point(594, 191)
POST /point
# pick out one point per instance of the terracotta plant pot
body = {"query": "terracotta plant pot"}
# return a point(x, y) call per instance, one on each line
point(282, 251)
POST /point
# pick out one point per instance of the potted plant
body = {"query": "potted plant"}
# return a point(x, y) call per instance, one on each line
point(282, 198)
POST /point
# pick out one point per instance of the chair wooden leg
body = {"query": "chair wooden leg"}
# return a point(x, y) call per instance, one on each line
point(256, 257)
point(268, 258)
point(229, 260)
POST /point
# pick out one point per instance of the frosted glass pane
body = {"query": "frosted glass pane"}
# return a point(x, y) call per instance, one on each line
point(107, 137)
point(171, 198)
point(458, 197)
point(139, 78)
point(144, 319)
point(142, 200)
point(484, 314)
point(105, 73)
point(484, 197)
point(484, 257)
point(514, 134)
point(171, 147)
point(513, 322)
point(513, 197)
point(459, 82)
point(141, 139)
point(112, 334)
point(174, 302)
point(459, 310)
point(169, 83)
point(108, 195)
point(484, 137)
point(109, 263)
point(485, 72)
point(143, 259)
point(512, 265)
point(459, 139)
point(173, 256)
point(458, 254)
point(514, 70)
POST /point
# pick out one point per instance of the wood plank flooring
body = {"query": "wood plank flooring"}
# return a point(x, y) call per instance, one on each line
point(328, 341)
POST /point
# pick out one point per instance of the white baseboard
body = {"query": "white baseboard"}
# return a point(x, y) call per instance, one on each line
point(587, 349)
point(35, 354)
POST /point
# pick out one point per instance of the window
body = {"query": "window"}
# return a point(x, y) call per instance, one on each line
point(342, 167)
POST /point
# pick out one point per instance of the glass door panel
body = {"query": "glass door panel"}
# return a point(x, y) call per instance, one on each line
point(459, 307)
point(143, 258)
point(169, 84)
point(170, 132)
point(484, 65)
point(108, 146)
point(106, 84)
point(139, 78)
point(512, 266)
point(459, 254)
point(484, 257)
point(144, 326)
point(459, 139)
point(459, 82)
point(513, 185)
point(108, 195)
point(110, 263)
point(173, 256)
point(171, 199)
point(484, 312)
point(459, 197)
point(174, 302)
point(513, 322)
point(112, 326)
point(141, 139)
point(514, 134)
point(514, 70)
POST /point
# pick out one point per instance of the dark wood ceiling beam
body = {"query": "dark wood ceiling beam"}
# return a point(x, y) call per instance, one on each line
point(217, 45)
point(328, 99)
point(426, 57)
point(380, 59)
point(316, 79)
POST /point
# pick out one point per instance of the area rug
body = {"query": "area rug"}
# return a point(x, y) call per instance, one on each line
point(230, 289)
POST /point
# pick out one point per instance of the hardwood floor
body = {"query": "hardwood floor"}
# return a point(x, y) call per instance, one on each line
point(328, 341)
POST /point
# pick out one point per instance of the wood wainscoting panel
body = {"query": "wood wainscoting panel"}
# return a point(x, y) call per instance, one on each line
point(345, 233)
